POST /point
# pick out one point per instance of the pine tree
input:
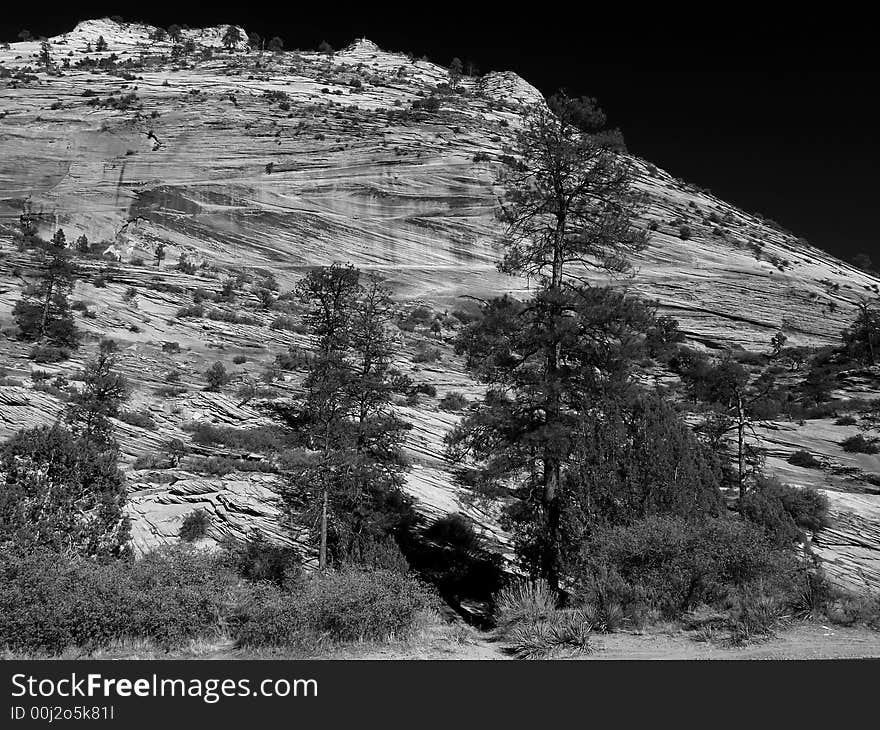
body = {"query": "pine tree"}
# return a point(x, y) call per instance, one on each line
point(43, 313)
point(353, 475)
point(45, 54)
point(455, 71)
point(569, 206)
point(100, 44)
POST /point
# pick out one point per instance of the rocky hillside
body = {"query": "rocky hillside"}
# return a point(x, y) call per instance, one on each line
point(253, 166)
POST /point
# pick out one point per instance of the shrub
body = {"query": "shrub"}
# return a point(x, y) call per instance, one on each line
point(195, 525)
point(141, 419)
point(216, 376)
point(170, 596)
point(259, 439)
point(170, 391)
point(49, 353)
point(285, 322)
point(426, 389)
point(782, 510)
point(670, 565)
point(348, 606)
point(804, 459)
point(846, 421)
point(190, 310)
point(453, 401)
point(860, 445)
point(257, 559)
point(424, 353)
point(239, 359)
point(481, 156)
point(684, 233)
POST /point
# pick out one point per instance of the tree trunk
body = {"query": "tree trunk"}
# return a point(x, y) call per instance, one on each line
point(322, 554)
point(50, 287)
point(740, 431)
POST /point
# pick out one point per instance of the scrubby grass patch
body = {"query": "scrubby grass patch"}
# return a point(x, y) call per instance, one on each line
point(532, 625)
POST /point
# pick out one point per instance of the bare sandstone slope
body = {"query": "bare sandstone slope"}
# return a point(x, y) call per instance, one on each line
point(262, 164)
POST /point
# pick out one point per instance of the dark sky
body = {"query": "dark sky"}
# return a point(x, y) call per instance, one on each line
point(776, 115)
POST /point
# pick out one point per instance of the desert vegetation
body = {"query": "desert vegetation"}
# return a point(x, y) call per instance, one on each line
point(625, 456)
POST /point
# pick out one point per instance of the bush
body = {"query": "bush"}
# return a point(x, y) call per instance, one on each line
point(170, 596)
point(260, 439)
point(804, 459)
point(141, 419)
point(257, 559)
point(195, 525)
point(348, 606)
point(670, 565)
point(453, 401)
point(858, 444)
point(49, 353)
point(216, 376)
point(239, 359)
point(424, 353)
point(846, 421)
point(190, 310)
point(783, 511)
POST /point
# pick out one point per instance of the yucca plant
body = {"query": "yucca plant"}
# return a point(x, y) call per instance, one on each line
point(524, 602)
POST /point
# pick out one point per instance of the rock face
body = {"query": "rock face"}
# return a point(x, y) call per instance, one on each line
point(266, 163)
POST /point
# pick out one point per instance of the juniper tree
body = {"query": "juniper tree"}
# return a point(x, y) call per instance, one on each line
point(569, 206)
point(103, 394)
point(43, 313)
point(174, 33)
point(63, 493)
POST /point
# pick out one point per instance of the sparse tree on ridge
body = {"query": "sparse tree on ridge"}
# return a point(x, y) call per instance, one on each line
point(45, 54)
point(455, 71)
point(43, 312)
point(232, 37)
point(276, 45)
